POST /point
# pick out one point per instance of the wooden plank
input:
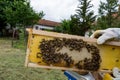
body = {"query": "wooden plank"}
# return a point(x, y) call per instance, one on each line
point(54, 67)
point(28, 46)
point(64, 68)
point(61, 35)
point(27, 57)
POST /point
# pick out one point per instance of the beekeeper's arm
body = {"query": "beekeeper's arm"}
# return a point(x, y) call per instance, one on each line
point(104, 35)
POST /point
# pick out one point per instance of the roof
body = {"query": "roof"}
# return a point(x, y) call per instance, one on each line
point(48, 23)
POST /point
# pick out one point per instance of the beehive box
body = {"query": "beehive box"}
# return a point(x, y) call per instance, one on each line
point(69, 52)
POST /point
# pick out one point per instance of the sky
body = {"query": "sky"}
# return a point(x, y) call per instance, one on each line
point(57, 10)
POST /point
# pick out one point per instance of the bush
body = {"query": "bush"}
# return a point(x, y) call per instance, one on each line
point(21, 42)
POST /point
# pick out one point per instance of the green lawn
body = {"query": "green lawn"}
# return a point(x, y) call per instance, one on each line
point(12, 66)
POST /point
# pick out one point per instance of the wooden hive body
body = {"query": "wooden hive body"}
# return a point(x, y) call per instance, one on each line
point(109, 53)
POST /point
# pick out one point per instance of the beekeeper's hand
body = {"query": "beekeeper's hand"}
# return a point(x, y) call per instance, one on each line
point(104, 35)
point(116, 72)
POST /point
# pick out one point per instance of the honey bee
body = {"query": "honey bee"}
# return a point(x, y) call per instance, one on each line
point(50, 48)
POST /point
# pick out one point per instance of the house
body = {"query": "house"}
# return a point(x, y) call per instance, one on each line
point(46, 25)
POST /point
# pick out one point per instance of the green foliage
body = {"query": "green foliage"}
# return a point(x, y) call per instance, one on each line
point(64, 27)
point(101, 23)
point(10, 18)
point(85, 15)
point(21, 42)
point(75, 26)
point(81, 21)
point(21, 13)
point(106, 11)
point(69, 26)
point(2, 14)
point(18, 12)
point(58, 29)
point(41, 14)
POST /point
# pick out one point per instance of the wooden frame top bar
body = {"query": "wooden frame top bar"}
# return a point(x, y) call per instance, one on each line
point(61, 35)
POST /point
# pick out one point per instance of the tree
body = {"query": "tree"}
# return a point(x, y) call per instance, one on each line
point(80, 22)
point(75, 25)
point(2, 17)
point(70, 26)
point(3, 4)
point(20, 13)
point(106, 11)
point(86, 15)
point(64, 27)
point(101, 23)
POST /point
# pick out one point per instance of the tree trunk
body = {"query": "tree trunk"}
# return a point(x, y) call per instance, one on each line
point(25, 38)
point(13, 36)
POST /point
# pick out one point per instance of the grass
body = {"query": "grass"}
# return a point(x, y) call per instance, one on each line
point(12, 66)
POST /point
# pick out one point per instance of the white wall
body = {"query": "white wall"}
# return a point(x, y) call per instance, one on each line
point(42, 27)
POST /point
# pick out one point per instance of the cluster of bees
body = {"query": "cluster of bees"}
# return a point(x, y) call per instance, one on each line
point(50, 53)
